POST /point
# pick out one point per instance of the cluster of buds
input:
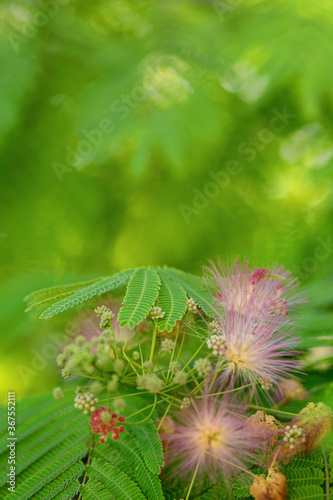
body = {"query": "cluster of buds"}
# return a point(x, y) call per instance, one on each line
point(57, 393)
point(106, 316)
point(156, 313)
point(85, 401)
point(203, 367)
point(167, 346)
point(214, 327)
point(185, 404)
point(265, 384)
point(192, 307)
point(217, 344)
point(150, 382)
point(104, 421)
point(293, 435)
point(180, 378)
point(76, 356)
point(174, 366)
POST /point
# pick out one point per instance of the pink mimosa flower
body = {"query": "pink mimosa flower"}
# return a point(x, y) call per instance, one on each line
point(209, 436)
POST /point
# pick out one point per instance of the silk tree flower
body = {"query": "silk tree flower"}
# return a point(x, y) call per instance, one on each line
point(255, 352)
point(266, 294)
point(209, 437)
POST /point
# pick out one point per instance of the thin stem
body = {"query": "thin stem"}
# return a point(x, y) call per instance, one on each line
point(91, 445)
point(230, 463)
point(192, 482)
point(152, 351)
point(124, 396)
point(225, 392)
point(88, 376)
point(272, 410)
point(194, 355)
point(180, 347)
point(139, 344)
point(173, 353)
point(148, 416)
point(129, 361)
point(162, 419)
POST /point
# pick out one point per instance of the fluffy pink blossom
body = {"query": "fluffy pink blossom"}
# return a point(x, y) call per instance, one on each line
point(254, 316)
point(255, 352)
point(210, 436)
point(265, 294)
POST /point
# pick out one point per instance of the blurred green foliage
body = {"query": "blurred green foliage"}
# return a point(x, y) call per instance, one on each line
point(150, 133)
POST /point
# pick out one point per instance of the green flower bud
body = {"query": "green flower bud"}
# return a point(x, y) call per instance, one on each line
point(96, 387)
point(180, 378)
point(119, 365)
point(57, 393)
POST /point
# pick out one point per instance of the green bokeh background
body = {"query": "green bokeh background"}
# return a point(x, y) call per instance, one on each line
point(185, 88)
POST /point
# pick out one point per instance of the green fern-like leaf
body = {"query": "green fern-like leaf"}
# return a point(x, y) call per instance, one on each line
point(125, 455)
point(304, 477)
point(150, 445)
point(141, 294)
point(48, 456)
point(94, 490)
point(172, 300)
point(306, 493)
point(35, 299)
point(218, 492)
point(60, 483)
point(102, 286)
point(114, 481)
point(70, 492)
point(194, 287)
point(241, 486)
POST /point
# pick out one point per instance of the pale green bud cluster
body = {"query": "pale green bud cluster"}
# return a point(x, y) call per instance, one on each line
point(192, 306)
point(214, 327)
point(174, 366)
point(101, 310)
point(96, 387)
point(106, 319)
point(167, 346)
point(119, 405)
point(148, 365)
point(217, 344)
point(136, 355)
point(119, 365)
point(266, 384)
point(180, 378)
point(203, 367)
point(150, 382)
point(293, 436)
point(185, 404)
point(156, 313)
point(112, 384)
point(85, 401)
point(57, 393)
point(65, 373)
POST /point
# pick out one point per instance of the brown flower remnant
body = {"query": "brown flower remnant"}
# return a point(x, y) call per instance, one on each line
point(274, 487)
point(266, 427)
point(306, 431)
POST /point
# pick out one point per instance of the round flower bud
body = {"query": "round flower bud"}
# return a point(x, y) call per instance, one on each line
point(57, 393)
point(180, 378)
